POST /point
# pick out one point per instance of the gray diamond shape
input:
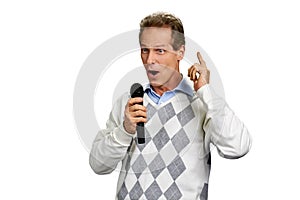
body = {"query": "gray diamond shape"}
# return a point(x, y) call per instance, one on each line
point(173, 192)
point(153, 192)
point(150, 111)
point(139, 166)
point(166, 113)
point(180, 140)
point(157, 166)
point(176, 167)
point(136, 192)
point(123, 192)
point(186, 115)
point(204, 192)
point(161, 139)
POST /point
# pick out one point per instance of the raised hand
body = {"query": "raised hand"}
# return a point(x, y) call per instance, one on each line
point(199, 73)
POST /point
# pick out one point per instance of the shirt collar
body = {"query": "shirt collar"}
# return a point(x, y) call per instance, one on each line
point(183, 86)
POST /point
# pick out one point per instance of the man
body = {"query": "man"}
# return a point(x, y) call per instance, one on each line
point(180, 123)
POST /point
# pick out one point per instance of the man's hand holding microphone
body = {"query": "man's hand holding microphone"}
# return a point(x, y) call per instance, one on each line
point(135, 113)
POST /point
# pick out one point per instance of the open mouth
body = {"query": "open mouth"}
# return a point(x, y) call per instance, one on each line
point(153, 72)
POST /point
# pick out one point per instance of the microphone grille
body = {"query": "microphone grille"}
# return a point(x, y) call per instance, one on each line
point(136, 90)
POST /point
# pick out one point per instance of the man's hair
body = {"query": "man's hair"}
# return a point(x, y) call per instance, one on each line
point(165, 20)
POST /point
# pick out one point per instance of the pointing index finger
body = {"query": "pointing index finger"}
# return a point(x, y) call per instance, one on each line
point(200, 57)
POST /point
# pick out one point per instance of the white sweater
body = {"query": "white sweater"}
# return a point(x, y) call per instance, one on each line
point(174, 163)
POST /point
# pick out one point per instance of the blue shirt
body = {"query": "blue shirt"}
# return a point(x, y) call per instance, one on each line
point(183, 86)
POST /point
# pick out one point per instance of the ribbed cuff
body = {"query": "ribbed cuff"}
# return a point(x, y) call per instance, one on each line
point(205, 93)
point(122, 136)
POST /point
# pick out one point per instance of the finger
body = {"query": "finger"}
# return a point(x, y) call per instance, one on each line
point(139, 113)
point(137, 107)
point(199, 57)
point(194, 74)
point(197, 75)
point(189, 70)
point(137, 116)
point(139, 119)
point(135, 100)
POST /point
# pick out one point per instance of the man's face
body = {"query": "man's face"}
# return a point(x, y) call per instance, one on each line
point(160, 60)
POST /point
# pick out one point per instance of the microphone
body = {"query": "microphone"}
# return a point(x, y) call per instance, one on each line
point(137, 90)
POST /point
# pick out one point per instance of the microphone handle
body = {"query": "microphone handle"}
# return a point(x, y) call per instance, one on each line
point(140, 133)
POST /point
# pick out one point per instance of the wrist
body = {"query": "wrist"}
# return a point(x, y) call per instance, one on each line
point(121, 135)
point(127, 130)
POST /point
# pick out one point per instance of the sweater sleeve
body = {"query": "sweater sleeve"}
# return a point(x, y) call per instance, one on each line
point(111, 144)
point(222, 127)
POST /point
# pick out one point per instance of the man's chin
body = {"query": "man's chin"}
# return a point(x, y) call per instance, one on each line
point(155, 83)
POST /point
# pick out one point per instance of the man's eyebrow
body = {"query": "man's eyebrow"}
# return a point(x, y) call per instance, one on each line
point(143, 45)
point(155, 46)
point(161, 45)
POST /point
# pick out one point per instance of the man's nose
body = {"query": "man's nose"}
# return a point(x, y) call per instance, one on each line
point(151, 57)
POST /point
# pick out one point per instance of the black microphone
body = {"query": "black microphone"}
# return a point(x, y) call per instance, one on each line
point(137, 90)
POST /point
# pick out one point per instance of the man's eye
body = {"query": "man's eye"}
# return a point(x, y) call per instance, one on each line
point(144, 50)
point(160, 51)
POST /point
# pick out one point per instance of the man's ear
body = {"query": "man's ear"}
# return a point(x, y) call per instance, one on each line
point(180, 52)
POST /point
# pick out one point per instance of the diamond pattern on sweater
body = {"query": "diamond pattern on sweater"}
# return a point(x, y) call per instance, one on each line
point(139, 165)
point(180, 140)
point(157, 166)
point(161, 139)
point(153, 192)
point(150, 111)
point(173, 192)
point(166, 113)
point(122, 192)
point(176, 168)
point(136, 192)
point(186, 115)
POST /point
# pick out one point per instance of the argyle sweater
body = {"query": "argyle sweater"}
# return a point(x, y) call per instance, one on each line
point(174, 163)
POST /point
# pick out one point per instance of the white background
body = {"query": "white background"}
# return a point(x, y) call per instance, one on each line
point(254, 45)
